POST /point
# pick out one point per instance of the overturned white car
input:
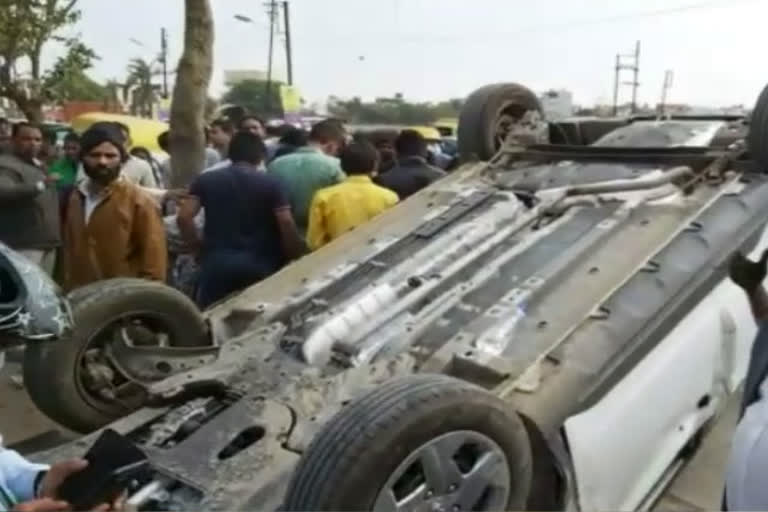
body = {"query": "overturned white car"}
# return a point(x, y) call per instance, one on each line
point(549, 329)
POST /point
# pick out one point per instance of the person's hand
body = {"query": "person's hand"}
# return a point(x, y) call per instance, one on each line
point(41, 505)
point(49, 485)
point(51, 178)
point(748, 274)
point(176, 194)
point(116, 505)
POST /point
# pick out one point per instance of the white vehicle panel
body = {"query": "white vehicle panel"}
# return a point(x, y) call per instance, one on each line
point(623, 445)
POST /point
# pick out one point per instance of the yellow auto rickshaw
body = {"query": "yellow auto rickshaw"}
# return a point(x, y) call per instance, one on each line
point(144, 132)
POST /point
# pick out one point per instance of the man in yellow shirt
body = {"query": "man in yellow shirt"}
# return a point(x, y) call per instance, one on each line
point(356, 200)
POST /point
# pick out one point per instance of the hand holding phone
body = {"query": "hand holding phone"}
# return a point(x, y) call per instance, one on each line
point(112, 462)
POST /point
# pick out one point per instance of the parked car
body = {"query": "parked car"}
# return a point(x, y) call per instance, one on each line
point(549, 329)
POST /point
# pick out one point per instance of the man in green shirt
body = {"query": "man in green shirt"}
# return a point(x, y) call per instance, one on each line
point(66, 167)
point(310, 168)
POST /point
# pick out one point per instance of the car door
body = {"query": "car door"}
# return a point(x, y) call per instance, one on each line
point(622, 446)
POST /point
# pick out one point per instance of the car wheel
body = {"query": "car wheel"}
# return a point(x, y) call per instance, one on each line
point(757, 139)
point(487, 116)
point(427, 440)
point(78, 381)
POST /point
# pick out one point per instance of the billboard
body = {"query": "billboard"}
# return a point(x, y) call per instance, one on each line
point(290, 98)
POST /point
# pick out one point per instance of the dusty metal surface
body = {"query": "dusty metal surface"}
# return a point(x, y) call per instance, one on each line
point(546, 299)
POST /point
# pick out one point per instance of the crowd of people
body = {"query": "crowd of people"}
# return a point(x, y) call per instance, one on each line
point(101, 208)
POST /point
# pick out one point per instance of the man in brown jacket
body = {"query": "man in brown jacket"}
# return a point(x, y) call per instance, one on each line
point(112, 229)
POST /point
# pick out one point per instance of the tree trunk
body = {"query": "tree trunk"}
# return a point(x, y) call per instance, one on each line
point(32, 109)
point(190, 94)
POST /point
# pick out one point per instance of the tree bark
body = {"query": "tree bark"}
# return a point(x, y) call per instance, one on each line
point(190, 94)
point(32, 109)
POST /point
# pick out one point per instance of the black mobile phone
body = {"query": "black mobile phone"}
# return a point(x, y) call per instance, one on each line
point(113, 461)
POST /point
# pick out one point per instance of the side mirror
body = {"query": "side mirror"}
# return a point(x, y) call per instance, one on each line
point(32, 306)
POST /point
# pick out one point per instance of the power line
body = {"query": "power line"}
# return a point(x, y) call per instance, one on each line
point(715, 4)
point(560, 26)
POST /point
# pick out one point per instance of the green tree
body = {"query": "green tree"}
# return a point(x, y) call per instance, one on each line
point(251, 94)
point(25, 27)
point(394, 110)
point(67, 80)
point(140, 74)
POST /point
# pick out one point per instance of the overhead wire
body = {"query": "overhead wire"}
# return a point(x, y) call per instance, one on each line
point(410, 38)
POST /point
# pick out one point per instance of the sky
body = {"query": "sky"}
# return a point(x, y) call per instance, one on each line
point(431, 50)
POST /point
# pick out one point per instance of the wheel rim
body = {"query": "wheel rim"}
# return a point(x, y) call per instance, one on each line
point(458, 471)
point(507, 118)
point(99, 378)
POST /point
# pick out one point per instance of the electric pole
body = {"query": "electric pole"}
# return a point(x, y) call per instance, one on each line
point(288, 51)
point(164, 59)
point(621, 65)
point(272, 10)
point(668, 78)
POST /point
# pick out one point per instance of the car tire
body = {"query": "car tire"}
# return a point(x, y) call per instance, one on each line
point(357, 451)
point(51, 368)
point(757, 139)
point(481, 112)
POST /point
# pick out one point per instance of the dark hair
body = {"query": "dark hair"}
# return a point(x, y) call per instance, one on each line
point(327, 131)
point(164, 141)
point(250, 117)
point(247, 147)
point(116, 129)
point(359, 158)
point(123, 127)
point(71, 137)
point(411, 143)
point(141, 152)
point(224, 125)
point(24, 124)
point(49, 136)
point(294, 137)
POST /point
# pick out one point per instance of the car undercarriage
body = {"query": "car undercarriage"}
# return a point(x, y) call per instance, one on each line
point(497, 323)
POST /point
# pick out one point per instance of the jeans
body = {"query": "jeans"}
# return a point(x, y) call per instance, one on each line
point(224, 272)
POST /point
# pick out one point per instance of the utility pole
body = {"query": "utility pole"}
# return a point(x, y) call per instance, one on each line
point(621, 65)
point(164, 59)
point(668, 78)
point(635, 84)
point(272, 10)
point(288, 51)
point(616, 86)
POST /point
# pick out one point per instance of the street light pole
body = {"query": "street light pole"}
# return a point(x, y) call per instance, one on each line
point(288, 51)
point(268, 97)
point(164, 57)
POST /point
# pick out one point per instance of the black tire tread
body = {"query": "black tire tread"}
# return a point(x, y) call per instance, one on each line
point(48, 368)
point(339, 446)
point(477, 116)
point(757, 138)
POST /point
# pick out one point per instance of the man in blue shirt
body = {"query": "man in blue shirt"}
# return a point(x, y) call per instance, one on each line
point(249, 231)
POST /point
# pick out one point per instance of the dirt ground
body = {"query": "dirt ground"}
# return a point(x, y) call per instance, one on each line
point(697, 487)
point(19, 419)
